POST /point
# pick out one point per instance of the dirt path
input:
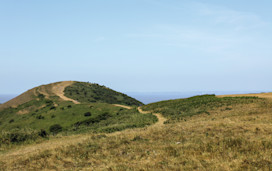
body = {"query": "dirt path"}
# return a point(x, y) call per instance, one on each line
point(123, 106)
point(161, 119)
point(42, 90)
point(59, 88)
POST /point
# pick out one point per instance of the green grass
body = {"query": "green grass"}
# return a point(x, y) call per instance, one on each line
point(176, 110)
point(43, 113)
point(68, 114)
point(86, 92)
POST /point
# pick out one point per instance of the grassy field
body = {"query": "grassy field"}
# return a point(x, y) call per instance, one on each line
point(237, 139)
point(181, 109)
point(73, 118)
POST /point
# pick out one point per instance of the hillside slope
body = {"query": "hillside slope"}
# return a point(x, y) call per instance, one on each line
point(180, 109)
point(88, 93)
point(202, 133)
point(46, 106)
point(73, 91)
point(32, 94)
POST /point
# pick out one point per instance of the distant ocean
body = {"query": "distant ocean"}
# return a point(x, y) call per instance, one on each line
point(6, 97)
point(150, 97)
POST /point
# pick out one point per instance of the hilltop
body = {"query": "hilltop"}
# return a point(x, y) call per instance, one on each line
point(81, 91)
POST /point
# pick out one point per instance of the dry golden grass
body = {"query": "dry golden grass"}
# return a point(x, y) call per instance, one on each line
point(23, 98)
point(260, 95)
point(54, 89)
point(237, 139)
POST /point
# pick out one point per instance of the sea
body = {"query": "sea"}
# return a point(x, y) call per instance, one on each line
point(6, 97)
point(151, 97)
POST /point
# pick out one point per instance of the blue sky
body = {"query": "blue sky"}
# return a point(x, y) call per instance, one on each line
point(143, 45)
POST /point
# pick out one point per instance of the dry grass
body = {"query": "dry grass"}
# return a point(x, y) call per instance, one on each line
point(260, 95)
point(54, 89)
point(23, 98)
point(237, 139)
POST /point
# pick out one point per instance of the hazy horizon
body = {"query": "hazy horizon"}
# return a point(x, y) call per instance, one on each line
point(151, 97)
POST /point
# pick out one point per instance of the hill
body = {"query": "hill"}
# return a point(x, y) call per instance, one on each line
point(180, 109)
point(82, 92)
point(201, 133)
point(86, 93)
point(72, 107)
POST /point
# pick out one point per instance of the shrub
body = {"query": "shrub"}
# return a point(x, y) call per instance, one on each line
point(56, 128)
point(53, 107)
point(12, 120)
point(40, 117)
point(41, 96)
point(87, 114)
point(42, 133)
point(49, 102)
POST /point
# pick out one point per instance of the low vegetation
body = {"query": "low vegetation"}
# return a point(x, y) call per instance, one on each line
point(176, 110)
point(74, 118)
point(236, 139)
point(89, 93)
point(20, 136)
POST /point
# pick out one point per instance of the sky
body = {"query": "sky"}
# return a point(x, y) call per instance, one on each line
point(137, 45)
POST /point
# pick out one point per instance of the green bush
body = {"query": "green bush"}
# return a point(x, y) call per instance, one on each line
point(56, 128)
point(87, 114)
point(40, 117)
point(43, 133)
point(53, 107)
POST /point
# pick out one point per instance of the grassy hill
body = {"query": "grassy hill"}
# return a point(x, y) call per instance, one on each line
point(45, 110)
point(177, 110)
point(89, 93)
point(201, 133)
